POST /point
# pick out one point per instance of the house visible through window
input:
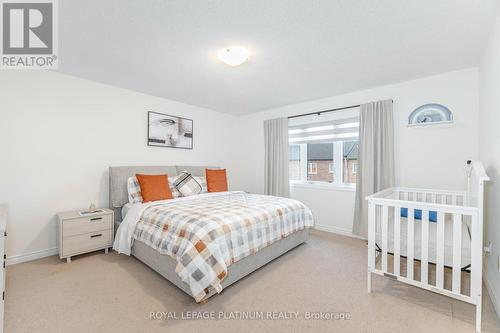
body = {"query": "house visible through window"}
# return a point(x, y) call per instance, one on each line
point(319, 157)
point(325, 152)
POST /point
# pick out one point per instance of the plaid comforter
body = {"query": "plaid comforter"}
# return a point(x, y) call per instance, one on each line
point(208, 233)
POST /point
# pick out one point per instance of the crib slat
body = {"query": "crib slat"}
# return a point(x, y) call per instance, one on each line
point(397, 240)
point(424, 252)
point(409, 250)
point(457, 252)
point(440, 251)
point(385, 232)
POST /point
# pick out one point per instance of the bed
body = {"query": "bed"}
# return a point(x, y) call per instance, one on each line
point(230, 226)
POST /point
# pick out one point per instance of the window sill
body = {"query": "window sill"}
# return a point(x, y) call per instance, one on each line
point(324, 186)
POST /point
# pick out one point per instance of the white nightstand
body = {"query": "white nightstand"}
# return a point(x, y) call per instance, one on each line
point(82, 234)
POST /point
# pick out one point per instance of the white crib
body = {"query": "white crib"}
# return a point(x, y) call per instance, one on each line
point(454, 240)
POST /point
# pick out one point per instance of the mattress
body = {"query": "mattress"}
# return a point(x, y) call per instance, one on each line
point(448, 245)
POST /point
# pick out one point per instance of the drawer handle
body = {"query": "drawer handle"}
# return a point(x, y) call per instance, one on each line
point(96, 219)
point(98, 235)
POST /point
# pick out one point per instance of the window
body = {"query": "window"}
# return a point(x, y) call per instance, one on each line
point(319, 157)
point(312, 169)
point(294, 162)
point(325, 152)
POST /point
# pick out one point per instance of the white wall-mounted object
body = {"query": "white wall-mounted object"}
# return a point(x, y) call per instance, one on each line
point(430, 114)
point(79, 234)
point(451, 213)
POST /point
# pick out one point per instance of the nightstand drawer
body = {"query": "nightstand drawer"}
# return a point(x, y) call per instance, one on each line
point(81, 243)
point(87, 224)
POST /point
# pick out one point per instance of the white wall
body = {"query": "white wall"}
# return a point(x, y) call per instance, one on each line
point(59, 135)
point(489, 153)
point(333, 209)
point(426, 157)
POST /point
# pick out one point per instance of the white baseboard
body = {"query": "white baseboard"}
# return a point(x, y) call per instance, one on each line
point(337, 230)
point(495, 298)
point(17, 259)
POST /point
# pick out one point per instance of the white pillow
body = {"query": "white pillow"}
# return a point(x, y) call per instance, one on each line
point(187, 185)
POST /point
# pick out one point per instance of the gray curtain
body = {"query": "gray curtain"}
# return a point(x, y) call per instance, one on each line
point(276, 157)
point(376, 169)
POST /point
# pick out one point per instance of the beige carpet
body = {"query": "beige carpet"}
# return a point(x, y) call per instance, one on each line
point(116, 293)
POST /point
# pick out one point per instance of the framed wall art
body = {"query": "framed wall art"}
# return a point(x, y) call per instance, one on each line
point(169, 131)
point(430, 114)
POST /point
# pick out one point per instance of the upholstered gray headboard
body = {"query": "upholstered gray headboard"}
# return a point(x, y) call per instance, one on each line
point(118, 176)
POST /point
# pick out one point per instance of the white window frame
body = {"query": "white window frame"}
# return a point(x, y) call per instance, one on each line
point(303, 163)
point(338, 156)
point(301, 175)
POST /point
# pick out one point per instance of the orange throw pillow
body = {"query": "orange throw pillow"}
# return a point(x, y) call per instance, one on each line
point(154, 187)
point(216, 180)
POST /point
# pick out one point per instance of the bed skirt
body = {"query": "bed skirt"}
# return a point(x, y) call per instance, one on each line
point(165, 265)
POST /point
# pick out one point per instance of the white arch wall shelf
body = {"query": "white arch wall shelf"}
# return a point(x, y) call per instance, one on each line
point(430, 114)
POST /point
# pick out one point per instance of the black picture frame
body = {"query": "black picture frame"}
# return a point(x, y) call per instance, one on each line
point(159, 122)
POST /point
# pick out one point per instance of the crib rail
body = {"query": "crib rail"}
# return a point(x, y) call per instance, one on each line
point(413, 210)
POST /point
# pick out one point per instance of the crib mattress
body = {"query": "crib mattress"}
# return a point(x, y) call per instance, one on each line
point(448, 236)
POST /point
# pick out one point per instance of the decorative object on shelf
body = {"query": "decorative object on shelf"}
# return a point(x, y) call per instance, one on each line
point(430, 114)
point(90, 211)
point(169, 131)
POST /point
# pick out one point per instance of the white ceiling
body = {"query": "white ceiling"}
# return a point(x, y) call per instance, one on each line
point(302, 49)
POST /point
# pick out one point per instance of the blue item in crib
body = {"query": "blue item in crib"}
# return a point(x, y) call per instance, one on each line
point(418, 214)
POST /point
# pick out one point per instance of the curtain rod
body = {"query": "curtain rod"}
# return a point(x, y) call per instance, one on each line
point(325, 111)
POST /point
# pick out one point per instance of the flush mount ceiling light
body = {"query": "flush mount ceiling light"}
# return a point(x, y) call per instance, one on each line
point(233, 55)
